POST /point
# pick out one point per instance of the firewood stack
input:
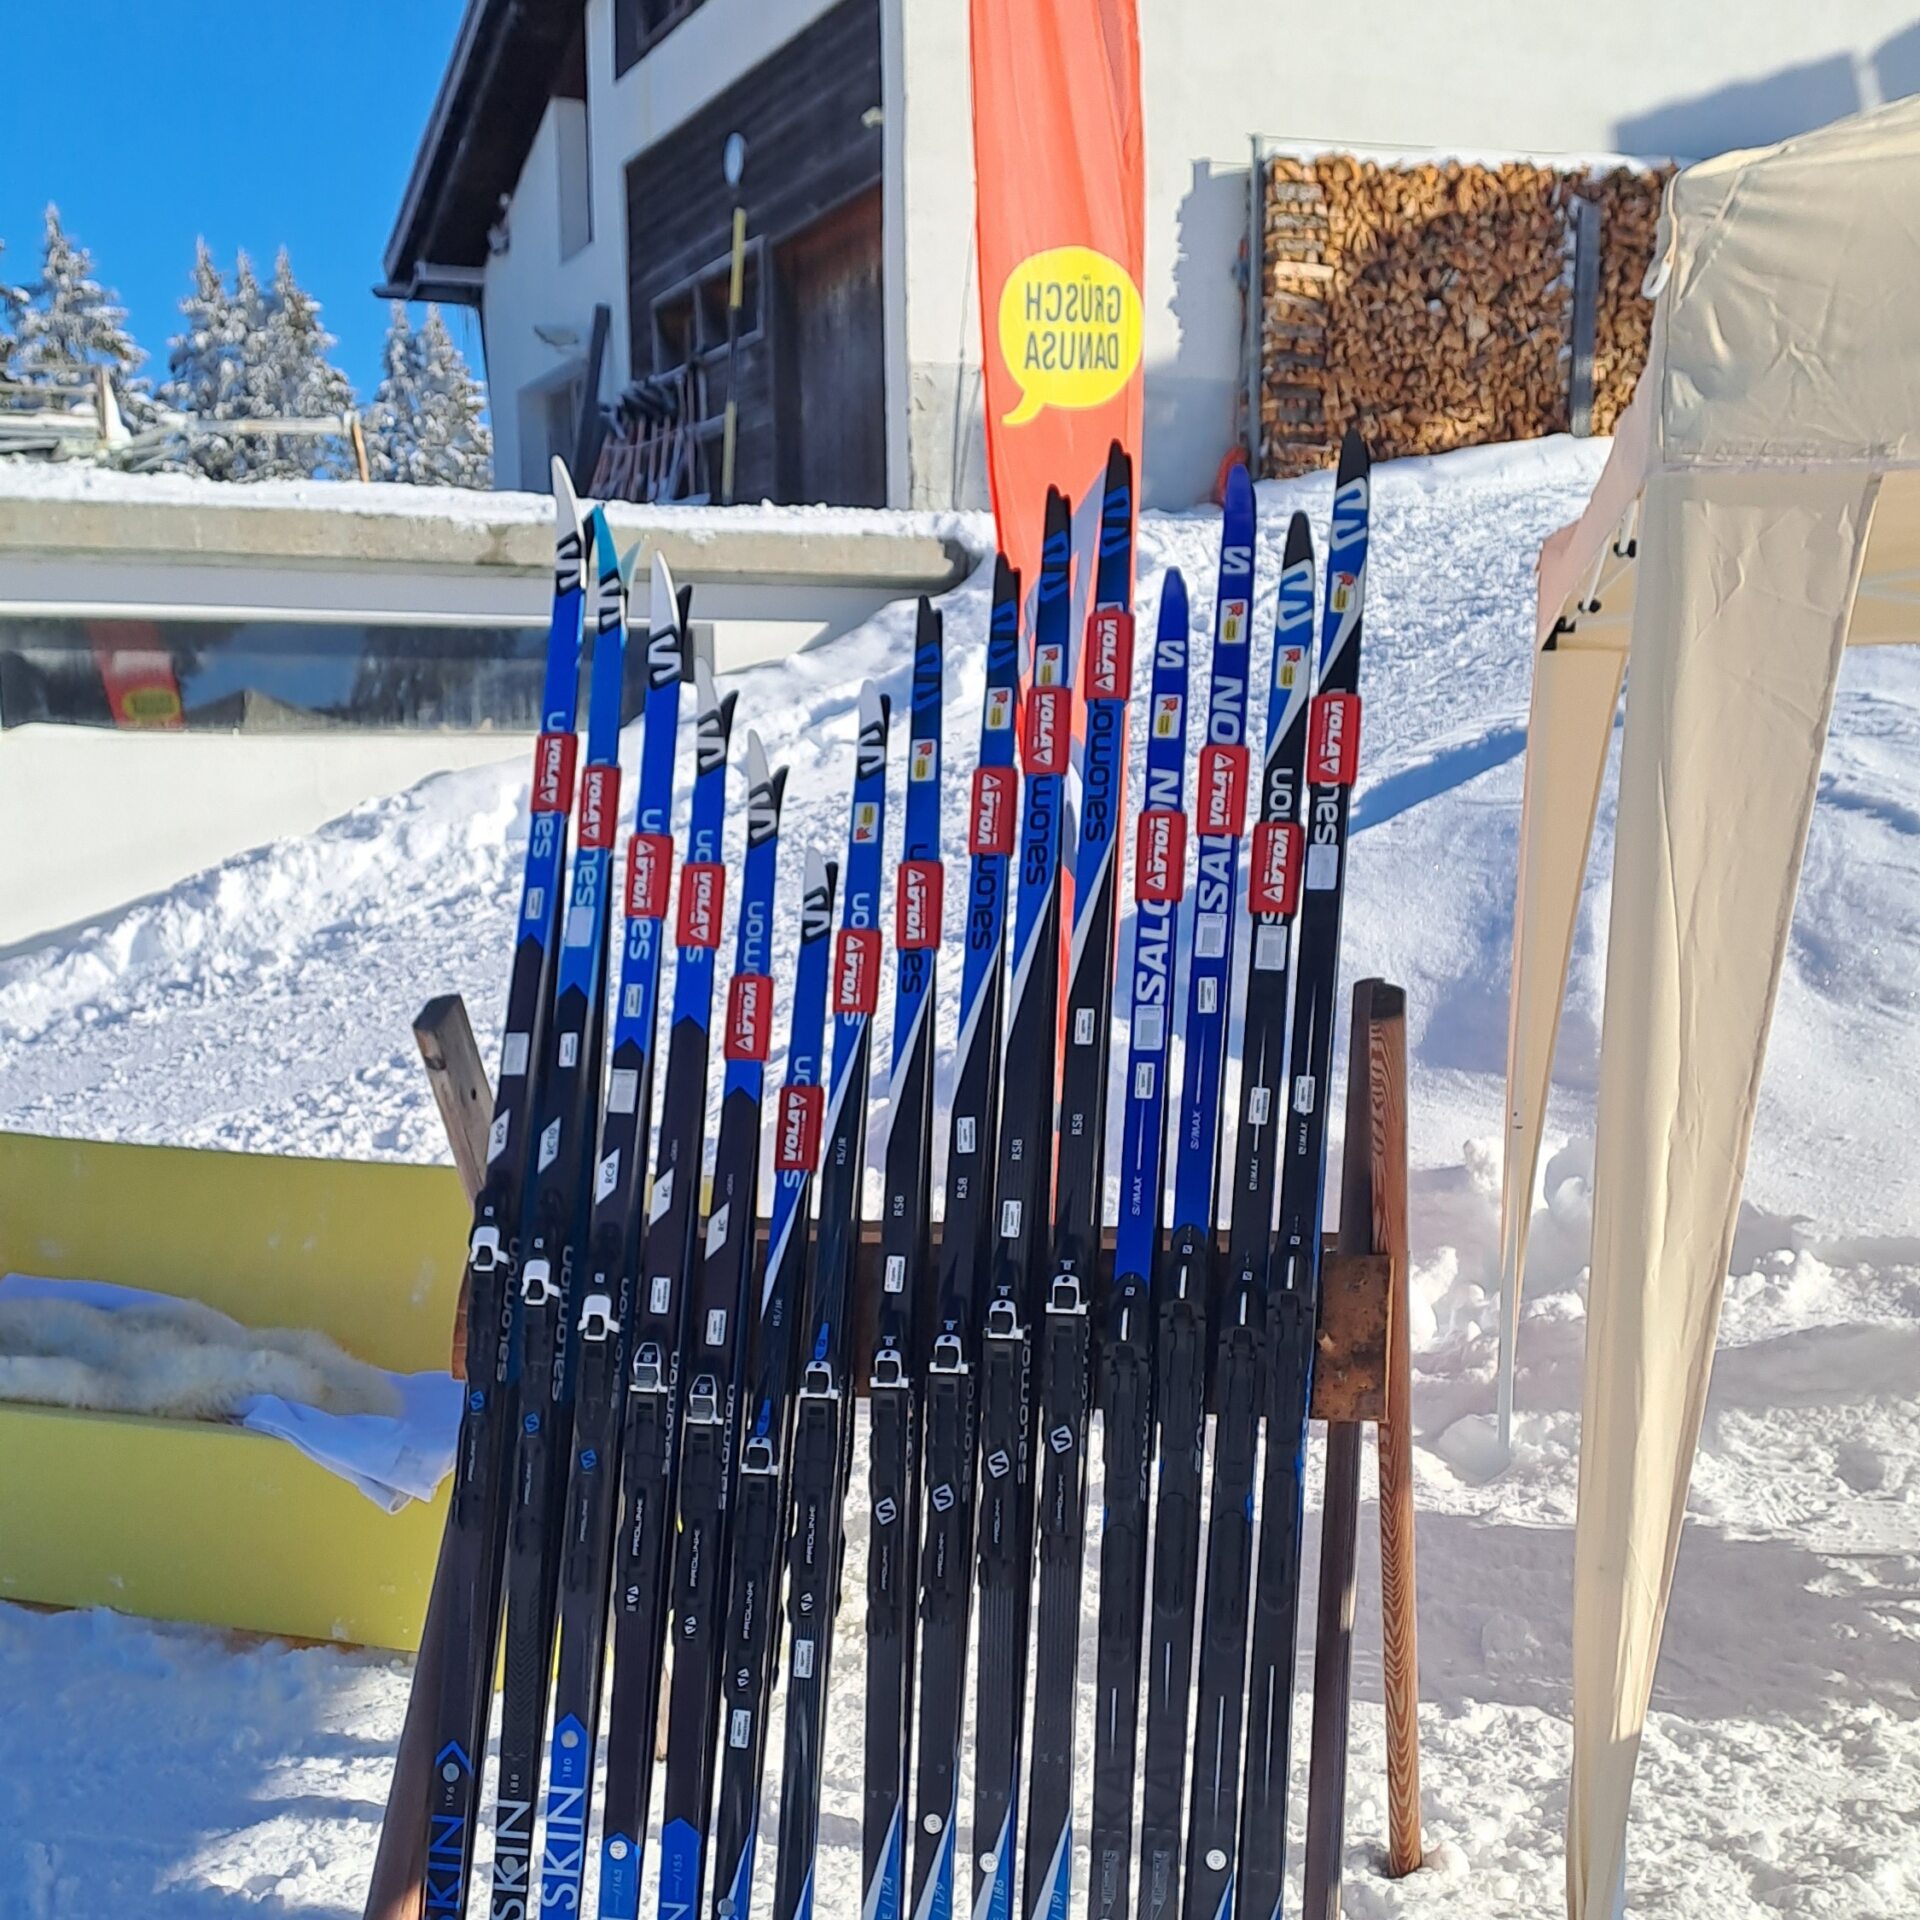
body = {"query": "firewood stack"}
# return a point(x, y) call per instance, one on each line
point(1431, 305)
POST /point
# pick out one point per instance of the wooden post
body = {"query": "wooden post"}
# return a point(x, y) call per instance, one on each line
point(359, 442)
point(1340, 1516)
point(1399, 1659)
point(397, 1889)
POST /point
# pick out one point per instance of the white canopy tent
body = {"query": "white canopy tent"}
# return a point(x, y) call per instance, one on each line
point(1760, 511)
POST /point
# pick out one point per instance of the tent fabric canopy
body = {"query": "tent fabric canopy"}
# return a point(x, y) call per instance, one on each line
point(1760, 510)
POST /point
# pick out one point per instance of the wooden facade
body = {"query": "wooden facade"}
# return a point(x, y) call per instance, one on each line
point(811, 367)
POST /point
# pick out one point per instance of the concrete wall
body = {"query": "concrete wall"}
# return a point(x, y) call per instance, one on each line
point(150, 809)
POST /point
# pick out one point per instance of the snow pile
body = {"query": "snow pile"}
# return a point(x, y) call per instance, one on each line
point(266, 1004)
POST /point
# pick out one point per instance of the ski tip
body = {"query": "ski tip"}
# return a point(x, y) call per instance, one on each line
point(703, 689)
point(830, 875)
point(928, 624)
point(663, 608)
point(1299, 541)
point(1119, 467)
point(1238, 495)
point(1059, 514)
point(1354, 457)
point(874, 708)
point(566, 504)
point(606, 556)
point(817, 874)
point(1173, 603)
point(630, 564)
point(1006, 592)
point(758, 774)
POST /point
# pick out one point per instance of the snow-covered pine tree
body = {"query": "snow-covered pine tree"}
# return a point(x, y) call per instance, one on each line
point(69, 324)
point(207, 368)
point(289, 375)
point(426, 426)
point(12, 301)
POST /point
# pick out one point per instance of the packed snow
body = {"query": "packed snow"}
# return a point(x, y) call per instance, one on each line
point(266, 1004)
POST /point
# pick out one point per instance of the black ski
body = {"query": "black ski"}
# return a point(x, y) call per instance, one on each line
point(946, 1549)
point(555, 1209)
point(1022, 1199)
point(477, 1510)
point(905, 1306)
point(1079, 1189)
point(648, 1448)
point(1239, 1374)
point(1185, 1279)
point(823, 1408)
point(1126, 1359)
point(759, 1522)
point(1333, 742)
point(716, 1356)
point(606, 1288)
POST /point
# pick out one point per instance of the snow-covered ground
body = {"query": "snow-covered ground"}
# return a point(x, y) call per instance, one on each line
point(265, 1004)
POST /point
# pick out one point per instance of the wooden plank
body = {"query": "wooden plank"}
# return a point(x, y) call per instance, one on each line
point(1340, 1520)
point(397, 1888)
point(1400, 1660)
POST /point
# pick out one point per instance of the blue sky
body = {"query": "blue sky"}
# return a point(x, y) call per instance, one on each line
point(256, 123)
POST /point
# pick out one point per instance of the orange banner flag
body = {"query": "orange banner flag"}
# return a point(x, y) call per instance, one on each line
point(1062, 224)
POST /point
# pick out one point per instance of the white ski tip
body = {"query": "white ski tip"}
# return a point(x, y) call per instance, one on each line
point(871, 711)
point(813, 873)
point(663, 604)
point(566, 505)
point(758, 771)
point(630, 564)
point(703, 687)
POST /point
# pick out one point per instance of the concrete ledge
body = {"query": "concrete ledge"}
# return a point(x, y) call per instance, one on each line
point(63, 511)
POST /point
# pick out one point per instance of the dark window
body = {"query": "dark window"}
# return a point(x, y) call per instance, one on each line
point(639, 25)
point(690, 320)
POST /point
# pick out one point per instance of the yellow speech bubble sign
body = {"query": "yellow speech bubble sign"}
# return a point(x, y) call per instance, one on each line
point(1070, 326)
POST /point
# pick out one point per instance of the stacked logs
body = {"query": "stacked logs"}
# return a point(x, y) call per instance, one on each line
point(1431, 304)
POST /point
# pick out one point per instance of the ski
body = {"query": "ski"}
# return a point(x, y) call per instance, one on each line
point(901, 1323)
point(606, 1285)
point(716, 1355)
point(1239, 1394)
point(1180, 1336)
point(554, 1207)
point(648, 1445)
point(1079, 1190)
point(759, 1521)
point(1021, 1203)
point(1293, 1290)
point(946, 1548)
point(1126, 1353)
point(823, 1407)
point(476, 1511)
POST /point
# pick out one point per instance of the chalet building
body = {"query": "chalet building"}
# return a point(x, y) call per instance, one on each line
point(570, 186)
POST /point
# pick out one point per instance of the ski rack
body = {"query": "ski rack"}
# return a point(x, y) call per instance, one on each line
point(1362, 1376)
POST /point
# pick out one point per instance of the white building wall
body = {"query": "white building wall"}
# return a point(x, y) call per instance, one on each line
point(1653, 77)
point(1657, 77)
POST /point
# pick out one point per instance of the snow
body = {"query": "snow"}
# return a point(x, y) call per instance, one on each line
point(265, 1004)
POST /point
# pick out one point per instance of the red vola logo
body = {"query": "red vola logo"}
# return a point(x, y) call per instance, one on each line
point(796, 1133)
point(1048, 724)
point(1223, 789)
point(992, 811)
point(1273, 880)
point(1109, 653)
point(649, 875)
point(1160, 856)
point(856, 970)
point(917, 916)
point(599, 808)
point(749, 1016)
point(553, 773)
point(703, 889)
point(1333, 739)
